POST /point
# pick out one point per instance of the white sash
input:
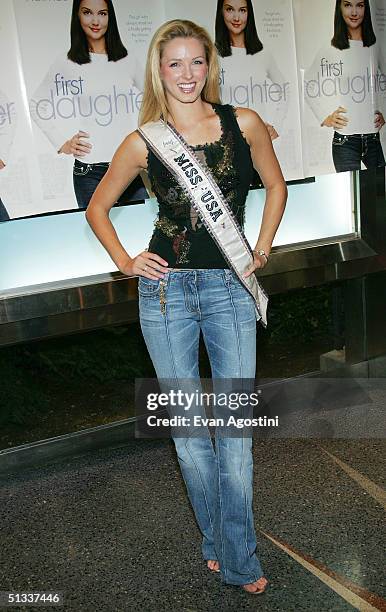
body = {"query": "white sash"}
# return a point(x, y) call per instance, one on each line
point(208, 200)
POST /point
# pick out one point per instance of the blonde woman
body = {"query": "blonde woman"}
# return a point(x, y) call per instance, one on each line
point(186, 287)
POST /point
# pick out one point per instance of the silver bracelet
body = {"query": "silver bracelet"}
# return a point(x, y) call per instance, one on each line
point(261, 252)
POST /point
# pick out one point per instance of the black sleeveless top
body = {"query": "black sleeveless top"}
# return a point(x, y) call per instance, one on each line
point(179, 235)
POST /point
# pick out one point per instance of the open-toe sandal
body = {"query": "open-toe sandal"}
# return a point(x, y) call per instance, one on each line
point(258, 591)
point(214, 571)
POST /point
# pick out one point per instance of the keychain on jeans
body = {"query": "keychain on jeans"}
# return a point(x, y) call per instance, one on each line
point(162, 298)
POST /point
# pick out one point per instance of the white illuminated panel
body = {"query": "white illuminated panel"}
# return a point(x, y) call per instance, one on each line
point(58, 247)
point(314, 211)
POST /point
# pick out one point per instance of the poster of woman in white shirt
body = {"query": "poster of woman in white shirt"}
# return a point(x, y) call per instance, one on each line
point(259, 72)
point(7, 130)
point(344, 87)
point(19, 189)
point(88, 99)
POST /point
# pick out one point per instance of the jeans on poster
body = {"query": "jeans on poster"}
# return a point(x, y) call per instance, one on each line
point(348, 151)
point(4, 216)
point(86, 178)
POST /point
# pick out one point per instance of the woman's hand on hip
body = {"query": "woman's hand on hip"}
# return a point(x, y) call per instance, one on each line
point(379, 120)
point(271, 131)
point(336, 120)
point(149, 265)
point(259, 262)
point(76, 146)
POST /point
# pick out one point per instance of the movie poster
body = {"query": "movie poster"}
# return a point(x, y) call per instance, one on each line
point(319, 87)
point(341, 56)
point(19, 193)
point(257, 70)
point(89, 100)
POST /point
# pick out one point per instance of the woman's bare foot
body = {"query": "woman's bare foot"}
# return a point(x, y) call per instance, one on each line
point(213, 565)
point(256, 587)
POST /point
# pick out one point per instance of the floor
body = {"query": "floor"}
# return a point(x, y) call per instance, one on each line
point(113, 530)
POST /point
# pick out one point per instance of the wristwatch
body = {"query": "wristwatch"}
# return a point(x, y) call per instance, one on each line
point(261, 252)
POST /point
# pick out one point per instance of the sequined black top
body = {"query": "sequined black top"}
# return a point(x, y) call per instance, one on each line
point(179, 235)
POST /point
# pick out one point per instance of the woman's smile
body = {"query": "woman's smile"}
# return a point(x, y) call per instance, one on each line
point(187, 88)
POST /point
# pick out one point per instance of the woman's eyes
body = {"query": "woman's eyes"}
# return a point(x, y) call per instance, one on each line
point(88, 12)
point(177, 64)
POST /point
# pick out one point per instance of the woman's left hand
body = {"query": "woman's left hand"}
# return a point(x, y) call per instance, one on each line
point(379, 120)
point(259, 261)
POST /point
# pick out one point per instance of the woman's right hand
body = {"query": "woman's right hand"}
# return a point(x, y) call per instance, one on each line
point(271, 131)
point(336, 120)
point(76, 145)
point(149, 265)
point(2, 164)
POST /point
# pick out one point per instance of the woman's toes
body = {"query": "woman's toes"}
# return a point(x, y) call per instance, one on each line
point(261, 583)
point(256, 587)
point(213, 565)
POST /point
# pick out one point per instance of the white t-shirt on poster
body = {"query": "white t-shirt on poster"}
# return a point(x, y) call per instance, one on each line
point(7, 126)
point(255, 81)
point(350, 78)
point(101, 98)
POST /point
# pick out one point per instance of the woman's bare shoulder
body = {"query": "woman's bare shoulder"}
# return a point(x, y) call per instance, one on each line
point(249, 121)
point(135, 148)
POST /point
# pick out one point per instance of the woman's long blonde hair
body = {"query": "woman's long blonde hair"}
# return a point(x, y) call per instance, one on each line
point(154, 105)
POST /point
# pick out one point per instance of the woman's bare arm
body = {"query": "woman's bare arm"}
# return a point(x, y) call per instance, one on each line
point(266, 164)
point(128, 161)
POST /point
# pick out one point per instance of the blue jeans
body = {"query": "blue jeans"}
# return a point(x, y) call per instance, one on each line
point(86, 178)
point(349, 150)
point(4, 216)
point(218, 480)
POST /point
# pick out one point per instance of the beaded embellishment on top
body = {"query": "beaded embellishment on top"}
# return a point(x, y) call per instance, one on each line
point(180, 243)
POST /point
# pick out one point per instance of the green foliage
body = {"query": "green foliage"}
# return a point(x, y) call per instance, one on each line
point(21, 393)
point(300, 316)
point(28, 372)
point(107, 354)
